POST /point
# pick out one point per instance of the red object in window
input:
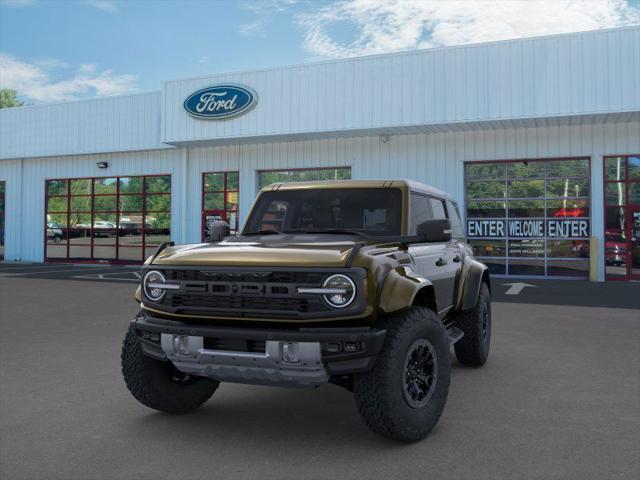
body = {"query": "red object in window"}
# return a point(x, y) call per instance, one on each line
point(570, 212)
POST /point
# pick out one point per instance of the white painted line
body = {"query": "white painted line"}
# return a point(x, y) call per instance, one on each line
point(99, 277)
point(14, 274)
point(516, 288)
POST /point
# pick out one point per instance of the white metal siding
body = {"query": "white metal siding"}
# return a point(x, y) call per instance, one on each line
point(434, 158)
point(547, 77)
point(90, 126)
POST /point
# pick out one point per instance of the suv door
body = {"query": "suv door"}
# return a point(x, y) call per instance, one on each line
point(439, 262)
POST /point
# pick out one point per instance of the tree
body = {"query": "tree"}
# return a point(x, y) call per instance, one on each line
point(8, 98)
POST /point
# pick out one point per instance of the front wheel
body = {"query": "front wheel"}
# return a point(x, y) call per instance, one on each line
point(404, 395)
point(159, 385)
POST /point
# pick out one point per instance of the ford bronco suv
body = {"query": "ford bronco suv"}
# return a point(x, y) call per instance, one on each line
point(364, 284)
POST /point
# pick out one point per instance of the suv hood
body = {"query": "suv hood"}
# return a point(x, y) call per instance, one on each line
point(274, 252)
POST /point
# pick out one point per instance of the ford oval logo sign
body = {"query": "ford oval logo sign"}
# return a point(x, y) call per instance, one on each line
point(220, 101)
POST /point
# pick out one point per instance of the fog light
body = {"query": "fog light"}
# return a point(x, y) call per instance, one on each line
point(350, 347)
point(181, 345)
point(291, 352)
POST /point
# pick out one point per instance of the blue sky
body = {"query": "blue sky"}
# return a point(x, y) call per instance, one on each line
point(63, 50)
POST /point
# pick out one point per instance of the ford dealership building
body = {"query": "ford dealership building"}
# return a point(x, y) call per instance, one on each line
point(538, 138)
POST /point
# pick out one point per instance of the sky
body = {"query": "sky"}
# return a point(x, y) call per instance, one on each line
point(60, 50)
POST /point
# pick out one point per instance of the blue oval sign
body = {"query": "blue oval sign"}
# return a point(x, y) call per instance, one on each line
point(220, 101)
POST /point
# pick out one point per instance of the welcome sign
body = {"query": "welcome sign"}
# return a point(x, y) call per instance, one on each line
point(220, 101)
point(529, 228)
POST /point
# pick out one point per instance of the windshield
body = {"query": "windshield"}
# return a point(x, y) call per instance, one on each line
point(372, 211)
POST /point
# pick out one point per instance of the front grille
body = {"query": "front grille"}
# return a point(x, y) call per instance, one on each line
point(302, 305)
point(249, 293)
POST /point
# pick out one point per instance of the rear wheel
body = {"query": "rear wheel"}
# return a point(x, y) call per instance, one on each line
point(159, 385)
point(404, 395)
point(473, 348)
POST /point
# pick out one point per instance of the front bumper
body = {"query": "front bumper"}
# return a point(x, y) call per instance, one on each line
point(255, 356)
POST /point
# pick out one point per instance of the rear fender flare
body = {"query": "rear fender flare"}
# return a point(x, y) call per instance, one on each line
point(472, 275)
point(400, 288)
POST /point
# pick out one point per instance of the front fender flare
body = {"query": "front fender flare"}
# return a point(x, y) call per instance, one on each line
point(400, 288)
point(471, 278)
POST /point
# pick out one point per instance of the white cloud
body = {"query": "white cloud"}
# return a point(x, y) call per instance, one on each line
point(36, 81)
point(389, 25)
point(252, 29)
point(104, 5)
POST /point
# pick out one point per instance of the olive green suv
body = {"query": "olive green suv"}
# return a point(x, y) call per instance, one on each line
point(363, 284)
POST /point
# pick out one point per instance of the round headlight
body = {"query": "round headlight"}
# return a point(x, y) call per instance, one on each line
point(154, 294)
point(342, 291)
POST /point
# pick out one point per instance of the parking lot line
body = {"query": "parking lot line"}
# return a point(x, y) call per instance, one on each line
point(48, 271)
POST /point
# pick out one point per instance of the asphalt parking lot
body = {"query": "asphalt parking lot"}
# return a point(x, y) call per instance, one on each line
point(559, 397)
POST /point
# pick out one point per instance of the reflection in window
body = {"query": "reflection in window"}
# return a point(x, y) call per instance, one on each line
point(488, 248)
point(615, 168)
point(614, 193)
point(486, 209)
point(485, 171)
point(527, 193)
point(526, 169)
point(107, 218)
point(526, 208)
point(220, 192)
point(525, 188)
point(420, 211)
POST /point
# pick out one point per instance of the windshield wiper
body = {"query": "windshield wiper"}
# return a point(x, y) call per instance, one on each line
point(262, 232)
point(339, 231)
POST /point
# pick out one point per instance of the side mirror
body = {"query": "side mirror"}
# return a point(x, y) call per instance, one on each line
point(436, 230)
point(218, 230)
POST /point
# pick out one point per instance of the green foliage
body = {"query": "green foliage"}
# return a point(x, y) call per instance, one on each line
point(8, 98)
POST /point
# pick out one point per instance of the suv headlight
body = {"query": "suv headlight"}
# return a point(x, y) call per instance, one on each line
point(340, 291)
point(153, 284)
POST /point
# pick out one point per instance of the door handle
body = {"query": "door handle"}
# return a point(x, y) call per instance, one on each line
point(457, 258)
point(441, 262)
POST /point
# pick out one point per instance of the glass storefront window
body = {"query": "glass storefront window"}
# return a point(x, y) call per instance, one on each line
point(523, 214)
point(615, 168)
point(622, 222)
point(525, 188)
point(526, 169)
point(108, 219)
point(486, 171)
point(220, 191)
point(614, 193)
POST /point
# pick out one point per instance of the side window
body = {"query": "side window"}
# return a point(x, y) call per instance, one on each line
point(419, 211)
point(437, 207)
point(454, 217)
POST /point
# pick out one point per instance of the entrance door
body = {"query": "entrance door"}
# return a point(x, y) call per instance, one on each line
point(634, 243)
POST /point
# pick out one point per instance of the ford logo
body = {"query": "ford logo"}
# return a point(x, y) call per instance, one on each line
point(220, 101)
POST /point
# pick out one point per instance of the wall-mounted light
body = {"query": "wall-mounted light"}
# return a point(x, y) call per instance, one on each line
point(102, 164)
point(384, 138)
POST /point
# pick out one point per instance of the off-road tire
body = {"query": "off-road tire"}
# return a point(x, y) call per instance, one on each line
point(379, 394)
point(150, 381)
point(472, 349)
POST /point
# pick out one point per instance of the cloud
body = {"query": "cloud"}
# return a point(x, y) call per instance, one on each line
point(388, 25)
point(104, 5)
point(252, 29)
point(35, 81)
